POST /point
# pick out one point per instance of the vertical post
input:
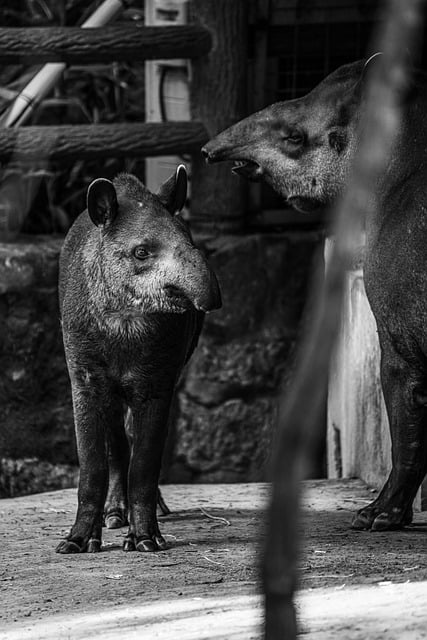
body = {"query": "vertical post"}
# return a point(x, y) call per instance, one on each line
point(218, 99)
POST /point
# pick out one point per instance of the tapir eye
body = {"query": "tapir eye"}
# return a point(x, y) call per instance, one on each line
point(141, 253)
point(295, 138)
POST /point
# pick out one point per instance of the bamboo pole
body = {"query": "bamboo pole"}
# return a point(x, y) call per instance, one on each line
point(44, 81)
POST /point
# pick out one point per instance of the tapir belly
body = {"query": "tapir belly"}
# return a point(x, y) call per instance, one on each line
point(396, 285)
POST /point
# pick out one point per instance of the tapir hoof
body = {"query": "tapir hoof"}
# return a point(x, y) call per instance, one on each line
point(156, 543)
point(115, 520)
point(362, 521)
point(371, 518)
point(68, 546)
point(146, 544)
point(94, 545)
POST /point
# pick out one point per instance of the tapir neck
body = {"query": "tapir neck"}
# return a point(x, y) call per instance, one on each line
point(400, 190)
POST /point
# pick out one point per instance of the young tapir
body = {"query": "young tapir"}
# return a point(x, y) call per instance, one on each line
point(133, 293)
point(304, 149)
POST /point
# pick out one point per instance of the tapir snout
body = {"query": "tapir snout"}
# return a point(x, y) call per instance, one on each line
point(240, 143)
point(196, 281)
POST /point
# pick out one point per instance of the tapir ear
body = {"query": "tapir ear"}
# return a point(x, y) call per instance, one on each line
point(371, 63)
point(102, 202)
point(377, 59)
point(369, 66)
point(173, 192)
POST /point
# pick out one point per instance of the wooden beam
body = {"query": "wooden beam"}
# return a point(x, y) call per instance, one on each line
point(291, 12)
point(75, 45)
point(218, 98)
point(69, 142)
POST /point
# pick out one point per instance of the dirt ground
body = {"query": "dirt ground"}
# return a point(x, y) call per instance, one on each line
point(215, 533)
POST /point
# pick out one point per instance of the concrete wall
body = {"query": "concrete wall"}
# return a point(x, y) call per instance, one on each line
point(358, 439)
point(358, 435)
point(223, 416)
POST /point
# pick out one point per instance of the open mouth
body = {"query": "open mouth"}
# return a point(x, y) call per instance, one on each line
point(242, 167)
point(248, 169)
point(176, 300)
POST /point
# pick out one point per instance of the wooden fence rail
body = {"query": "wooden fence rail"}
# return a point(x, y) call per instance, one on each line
point(75, 45)
point(215, 41)
point(119, 140)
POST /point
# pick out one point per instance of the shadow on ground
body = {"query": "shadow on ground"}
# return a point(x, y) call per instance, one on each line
point(215, 533)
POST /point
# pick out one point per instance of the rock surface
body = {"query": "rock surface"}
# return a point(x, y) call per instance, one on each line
point(35, 400)
point(228, 396)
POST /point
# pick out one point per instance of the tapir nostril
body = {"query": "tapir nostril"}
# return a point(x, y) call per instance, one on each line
point(205, 153)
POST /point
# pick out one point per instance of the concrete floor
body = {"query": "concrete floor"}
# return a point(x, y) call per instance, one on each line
point(353, 585)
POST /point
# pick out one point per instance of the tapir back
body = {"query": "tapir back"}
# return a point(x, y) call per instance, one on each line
point(71, 273)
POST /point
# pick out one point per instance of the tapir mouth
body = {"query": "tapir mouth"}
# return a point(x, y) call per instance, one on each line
point(248, 169)
point(177, 300)
point(170, 300)
point(242, 166)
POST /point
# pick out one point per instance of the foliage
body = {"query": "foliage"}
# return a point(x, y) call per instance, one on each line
point(53, 194)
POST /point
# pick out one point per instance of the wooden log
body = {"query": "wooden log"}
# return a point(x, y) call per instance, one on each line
point(218, 99)
point(75, 45)
point(68, 142)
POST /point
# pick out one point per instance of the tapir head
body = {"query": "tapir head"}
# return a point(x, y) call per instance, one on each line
point(145, 257)
point(303, 148)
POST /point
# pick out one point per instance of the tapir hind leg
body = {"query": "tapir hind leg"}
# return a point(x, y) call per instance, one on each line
point(149, 430)
point(116, 504)
point(404, 388)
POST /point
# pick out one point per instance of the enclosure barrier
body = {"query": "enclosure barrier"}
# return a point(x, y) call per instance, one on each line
point(74, 45)
point(216, 44)
point(86, 142)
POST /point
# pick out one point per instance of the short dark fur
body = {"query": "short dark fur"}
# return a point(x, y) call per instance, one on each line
point(129, 326)
point(396, 256)
point(128, 185)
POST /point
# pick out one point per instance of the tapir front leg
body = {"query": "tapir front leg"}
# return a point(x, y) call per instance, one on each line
point(93, 410)
point(149, 430)
point(405, 398)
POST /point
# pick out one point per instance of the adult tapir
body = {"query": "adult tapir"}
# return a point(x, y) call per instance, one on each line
point(304, 149)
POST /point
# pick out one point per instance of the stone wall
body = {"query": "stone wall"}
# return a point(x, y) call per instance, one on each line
point(35, 401)
point(223, 416)
point(228, 396)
